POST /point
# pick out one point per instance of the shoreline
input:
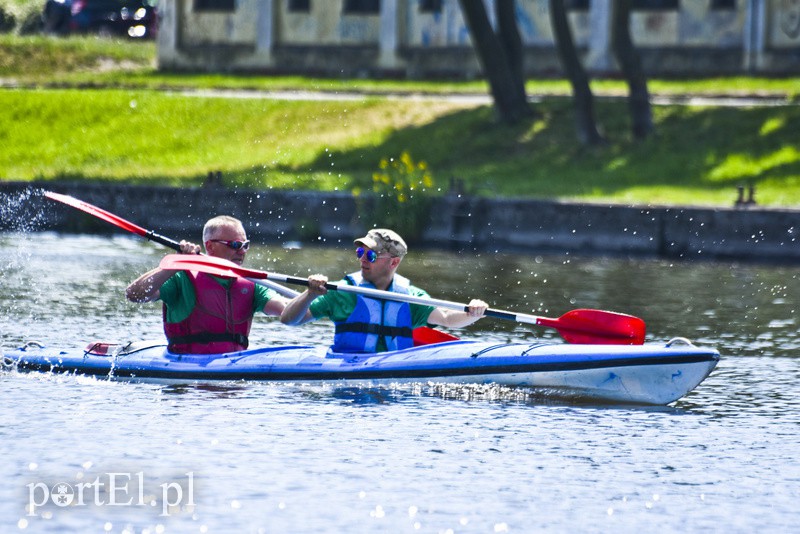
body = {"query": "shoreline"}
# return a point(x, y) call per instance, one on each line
point(458, 223)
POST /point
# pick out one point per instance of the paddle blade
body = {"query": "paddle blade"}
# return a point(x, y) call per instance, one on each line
point(97, 212)
point(425, 335)
point(209, 265)
point(598, 327)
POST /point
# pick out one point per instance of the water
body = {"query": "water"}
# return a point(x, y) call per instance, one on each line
point(261, 457)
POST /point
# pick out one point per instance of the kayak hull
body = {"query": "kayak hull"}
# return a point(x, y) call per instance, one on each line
point(641, 374)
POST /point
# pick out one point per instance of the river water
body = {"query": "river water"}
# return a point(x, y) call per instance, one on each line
point(266, 457)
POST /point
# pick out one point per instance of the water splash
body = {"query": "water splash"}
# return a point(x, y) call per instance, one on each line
point(23, 211)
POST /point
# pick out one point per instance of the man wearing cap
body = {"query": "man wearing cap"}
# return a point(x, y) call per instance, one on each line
point(365, 324)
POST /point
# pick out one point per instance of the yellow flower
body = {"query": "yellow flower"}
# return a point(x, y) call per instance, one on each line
point(407, 161)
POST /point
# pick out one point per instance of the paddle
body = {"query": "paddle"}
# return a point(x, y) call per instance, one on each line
point(147, 234)
point(582, 326)
point(425, 335)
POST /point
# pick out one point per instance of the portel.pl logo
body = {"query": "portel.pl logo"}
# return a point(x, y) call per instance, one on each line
point(114, 489)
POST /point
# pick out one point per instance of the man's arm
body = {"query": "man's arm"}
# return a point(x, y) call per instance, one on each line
point(296, 311)
point(458, 319)
point(146, 287)
point(275, 305)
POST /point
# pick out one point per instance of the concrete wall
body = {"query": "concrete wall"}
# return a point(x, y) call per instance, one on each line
point(264, 36)
point(525, 226)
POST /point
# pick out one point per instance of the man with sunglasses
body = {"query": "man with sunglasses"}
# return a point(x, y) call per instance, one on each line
point(205, 314)
point(365, 324)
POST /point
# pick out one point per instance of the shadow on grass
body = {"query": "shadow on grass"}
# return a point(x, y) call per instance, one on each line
point(702, 149)
point(697, 153)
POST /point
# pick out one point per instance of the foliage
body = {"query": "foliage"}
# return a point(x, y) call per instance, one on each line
point(402, 191)
point(21, 16)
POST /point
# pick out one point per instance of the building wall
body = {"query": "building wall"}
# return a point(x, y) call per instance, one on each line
point(326, 25)
point(783, 26)
point(403, 38)
point(219, 27)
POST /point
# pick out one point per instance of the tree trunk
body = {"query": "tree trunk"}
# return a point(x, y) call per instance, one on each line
point(507, 90)
point(588, 133)
point(510, 40)
point(631, 65)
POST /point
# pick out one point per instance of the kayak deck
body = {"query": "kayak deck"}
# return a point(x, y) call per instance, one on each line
point(646, 374)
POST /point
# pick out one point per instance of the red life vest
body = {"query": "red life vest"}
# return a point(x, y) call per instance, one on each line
point(220, 320)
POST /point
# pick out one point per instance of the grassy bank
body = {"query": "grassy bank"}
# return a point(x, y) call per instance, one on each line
point(125, 130)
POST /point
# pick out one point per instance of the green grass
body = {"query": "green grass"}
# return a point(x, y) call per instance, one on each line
point(124, 130)
point(94, 62)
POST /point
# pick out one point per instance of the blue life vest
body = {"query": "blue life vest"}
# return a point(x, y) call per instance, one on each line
point(372, 319)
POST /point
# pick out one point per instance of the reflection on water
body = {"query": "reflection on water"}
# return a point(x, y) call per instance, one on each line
point(223, 390)
point(417, 457)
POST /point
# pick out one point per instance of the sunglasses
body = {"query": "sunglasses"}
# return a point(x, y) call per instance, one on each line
point(371, 254)
point(235, 245)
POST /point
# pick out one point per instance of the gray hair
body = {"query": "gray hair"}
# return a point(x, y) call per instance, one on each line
point(212, 227)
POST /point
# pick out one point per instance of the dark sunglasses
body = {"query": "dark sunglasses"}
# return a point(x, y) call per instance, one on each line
point(235, 245)
point(371, 254)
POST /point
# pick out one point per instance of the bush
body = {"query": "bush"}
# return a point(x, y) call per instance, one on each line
point(402, 194)
point(7, 20)
point(23, 17)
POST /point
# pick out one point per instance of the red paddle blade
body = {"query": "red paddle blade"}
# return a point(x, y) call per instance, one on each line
point(209, 265)
point(97, 212)
point(601, 327)
point(424, 335)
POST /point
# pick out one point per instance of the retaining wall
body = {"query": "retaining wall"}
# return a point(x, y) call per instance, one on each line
point(480, 224)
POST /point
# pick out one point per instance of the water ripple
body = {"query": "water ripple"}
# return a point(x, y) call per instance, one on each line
point(416, 457)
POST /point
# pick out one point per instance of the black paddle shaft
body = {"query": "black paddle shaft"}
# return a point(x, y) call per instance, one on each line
point(167, 242)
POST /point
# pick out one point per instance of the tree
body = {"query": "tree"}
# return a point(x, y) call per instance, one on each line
point(586, 125)
point(500, 55)
point(631, 65)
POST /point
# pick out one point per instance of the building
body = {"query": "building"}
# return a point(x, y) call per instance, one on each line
point(429, 38)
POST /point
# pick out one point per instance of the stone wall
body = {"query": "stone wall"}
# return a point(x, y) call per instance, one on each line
point(468, 223)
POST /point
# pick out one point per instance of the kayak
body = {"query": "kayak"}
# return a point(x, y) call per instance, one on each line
point(642, 374)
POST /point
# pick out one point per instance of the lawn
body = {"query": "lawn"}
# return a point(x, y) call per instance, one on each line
point(96, 110)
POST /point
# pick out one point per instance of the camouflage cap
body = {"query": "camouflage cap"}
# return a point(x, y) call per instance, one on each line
point(384, 240)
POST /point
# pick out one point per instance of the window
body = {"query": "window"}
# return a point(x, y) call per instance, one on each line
point(299, 6)
point(577, 5)
point(723, 5)
point(430, 6)
point(215, 5)
point(654, 5)
point(362, 7)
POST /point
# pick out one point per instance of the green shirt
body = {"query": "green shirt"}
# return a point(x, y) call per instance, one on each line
point(178, 295)
point(338, 305)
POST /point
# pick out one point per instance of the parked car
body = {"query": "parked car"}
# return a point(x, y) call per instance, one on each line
point(127, 18)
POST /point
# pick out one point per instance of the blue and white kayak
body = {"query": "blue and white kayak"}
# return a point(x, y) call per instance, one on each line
point(642, 374)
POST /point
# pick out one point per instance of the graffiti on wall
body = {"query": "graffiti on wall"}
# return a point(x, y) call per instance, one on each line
point(790, 18)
